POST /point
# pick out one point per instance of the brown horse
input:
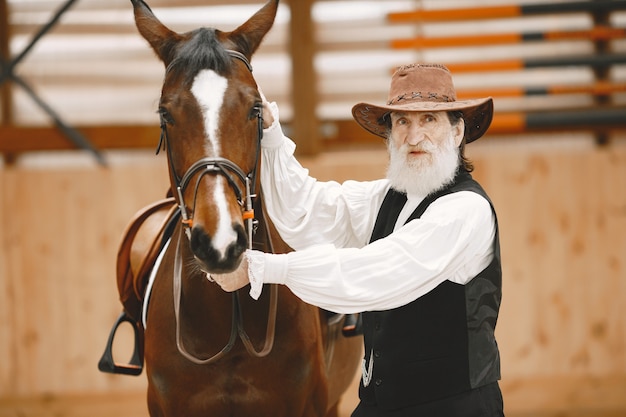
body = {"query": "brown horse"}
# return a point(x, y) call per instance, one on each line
point(207, 352)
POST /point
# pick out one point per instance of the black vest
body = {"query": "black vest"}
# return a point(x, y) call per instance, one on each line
point(442, 343)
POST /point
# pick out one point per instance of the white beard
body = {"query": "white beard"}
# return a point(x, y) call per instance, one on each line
point(427, 174)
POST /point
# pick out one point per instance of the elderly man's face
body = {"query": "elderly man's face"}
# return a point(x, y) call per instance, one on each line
point(423, 133)
point(423, 150)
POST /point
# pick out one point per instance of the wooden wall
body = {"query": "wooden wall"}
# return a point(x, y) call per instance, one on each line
point(562, 329)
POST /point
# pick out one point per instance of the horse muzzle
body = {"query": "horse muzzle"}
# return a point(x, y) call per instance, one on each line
point(216, 254)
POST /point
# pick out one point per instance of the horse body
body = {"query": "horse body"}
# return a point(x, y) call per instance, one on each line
point(197, 360)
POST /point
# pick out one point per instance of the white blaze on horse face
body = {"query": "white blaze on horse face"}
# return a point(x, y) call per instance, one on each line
point(209, 88)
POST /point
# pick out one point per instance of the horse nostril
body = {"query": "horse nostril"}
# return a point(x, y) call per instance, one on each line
point(218, 259)
point(238, 248)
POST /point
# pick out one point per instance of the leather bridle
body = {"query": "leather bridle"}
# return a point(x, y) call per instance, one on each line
point(235, 176)
point(221, 166)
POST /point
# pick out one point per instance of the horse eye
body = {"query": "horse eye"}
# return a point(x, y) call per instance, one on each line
point(165, 116)
point(256, 111)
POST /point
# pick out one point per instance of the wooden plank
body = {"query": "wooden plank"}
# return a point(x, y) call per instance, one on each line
point(561, 214)
point(7, 288)
point(62, 227)
point(561, 221)
point(133, 405)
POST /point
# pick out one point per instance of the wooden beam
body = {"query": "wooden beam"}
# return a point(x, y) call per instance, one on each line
point(303, 78)
point(15, 140)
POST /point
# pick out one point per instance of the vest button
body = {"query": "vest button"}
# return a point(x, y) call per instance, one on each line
point(377, 353)
point(378, 382)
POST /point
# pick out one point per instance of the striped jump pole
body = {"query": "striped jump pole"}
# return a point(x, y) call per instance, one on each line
point(520, 122)
point(505, 11)
point(600, 88)
point(599, 33)
point(595, 61)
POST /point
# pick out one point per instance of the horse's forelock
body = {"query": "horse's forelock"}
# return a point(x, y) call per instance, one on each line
point(202, 51)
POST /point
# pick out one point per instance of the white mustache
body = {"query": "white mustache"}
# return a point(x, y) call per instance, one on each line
point(424, 146)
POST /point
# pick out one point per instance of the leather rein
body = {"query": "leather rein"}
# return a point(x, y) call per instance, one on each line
point(231, 172)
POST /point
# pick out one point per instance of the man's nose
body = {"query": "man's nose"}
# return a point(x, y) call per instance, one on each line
point(415, 136)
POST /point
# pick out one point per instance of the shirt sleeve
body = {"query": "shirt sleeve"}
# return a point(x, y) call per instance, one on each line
point(453, 240)
point(308, 212)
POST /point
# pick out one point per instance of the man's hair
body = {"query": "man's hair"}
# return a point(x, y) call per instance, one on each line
point(454, 117)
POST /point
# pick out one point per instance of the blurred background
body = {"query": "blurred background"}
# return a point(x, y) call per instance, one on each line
point(78, 128)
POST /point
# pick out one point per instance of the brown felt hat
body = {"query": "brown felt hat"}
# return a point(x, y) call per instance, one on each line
point(425, 87)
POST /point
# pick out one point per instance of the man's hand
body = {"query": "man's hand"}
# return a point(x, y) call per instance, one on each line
point(234, 280)
point(268, 117)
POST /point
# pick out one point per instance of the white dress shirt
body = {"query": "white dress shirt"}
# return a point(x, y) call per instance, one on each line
point(330, 224)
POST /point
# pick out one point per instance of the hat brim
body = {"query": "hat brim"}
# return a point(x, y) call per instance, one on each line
point(477, 114)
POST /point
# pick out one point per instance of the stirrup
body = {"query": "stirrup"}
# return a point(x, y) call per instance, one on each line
point(135, 366)
point(352, 325)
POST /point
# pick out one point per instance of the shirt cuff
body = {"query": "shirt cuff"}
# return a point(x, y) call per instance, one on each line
point(275, 268)
point(265, 268)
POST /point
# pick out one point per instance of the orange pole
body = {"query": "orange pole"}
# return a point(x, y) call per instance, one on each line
point(600, 88)
point(595, 34)
point(455, 14)
point(508, 123)
point(505, 65)
point(599, 33)
point(440, 42)
point(496, 92)
point(496, 12)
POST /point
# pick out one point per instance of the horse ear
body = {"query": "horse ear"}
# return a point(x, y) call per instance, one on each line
point(162, 40)
point(248, 36)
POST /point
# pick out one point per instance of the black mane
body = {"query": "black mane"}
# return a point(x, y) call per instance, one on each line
point(202, 51)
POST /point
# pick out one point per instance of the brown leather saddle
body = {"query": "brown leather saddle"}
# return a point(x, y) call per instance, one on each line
point(140, 246)
point(141, 243)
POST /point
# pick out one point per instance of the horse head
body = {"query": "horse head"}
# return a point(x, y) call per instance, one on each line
point(211, 120)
